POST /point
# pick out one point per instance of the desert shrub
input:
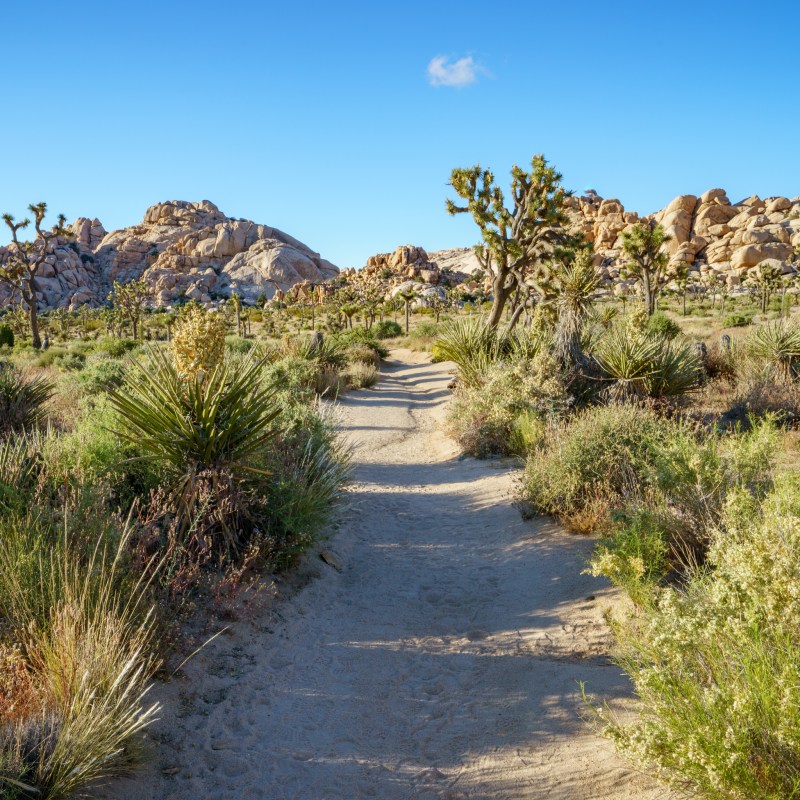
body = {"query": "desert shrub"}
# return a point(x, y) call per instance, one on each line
point(100, 374)
point(88, 635)
point(362, 354)
point(639, 365)
point(426, 330)
point(206, 433)
point(736, 320)
point(238, 344)
point(602, 456)
point(635, 553)
point(715, 664)
point(115, 348)
point(661, 325)
point(6, 336)
point(362, 375)
point(293, 374)
point(92, 457)
point(387, 329)
point(493, 417)
point(359, 336)
point(671, 524)
point(308, 466)
point(23, 399)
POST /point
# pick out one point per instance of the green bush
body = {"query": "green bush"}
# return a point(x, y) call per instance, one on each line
point(115, 348)
point(426, 330)
point(736, 320)
point(387, 329)
point(661, 325)
point(716, 665)
point(308, 466)
point(6, 336)
point(496, 415)
point(100, 374)
point(594, 461)
point(360, 336)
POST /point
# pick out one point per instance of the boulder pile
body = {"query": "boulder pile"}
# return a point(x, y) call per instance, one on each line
point(183, 250)
point(710, 235)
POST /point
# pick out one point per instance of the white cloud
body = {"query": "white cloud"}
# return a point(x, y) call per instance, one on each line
point(441, 72)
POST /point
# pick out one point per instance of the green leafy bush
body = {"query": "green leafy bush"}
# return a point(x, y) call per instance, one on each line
point(661, 325)
point(360, 336)
point(495, 416)
point(387, 329)
point(736, 320)
point(6, 336)
point(591, 463)
point(716, 665)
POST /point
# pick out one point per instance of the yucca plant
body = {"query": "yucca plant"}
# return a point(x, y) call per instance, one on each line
point(23, 399)
point(576, 283)
point(640, 365)
point(206, 433)
point(472, 345)
point(777, 344)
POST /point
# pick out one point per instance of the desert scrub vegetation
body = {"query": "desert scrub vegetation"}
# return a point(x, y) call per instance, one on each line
point(131, 486)
point(715, 661)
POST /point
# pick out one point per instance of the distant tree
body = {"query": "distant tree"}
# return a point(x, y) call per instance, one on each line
point(236, 304)
point(643, 244)
point(407, 296)
point(22, 260)
point(515, 240)
point(130, 299)
point(764, 279)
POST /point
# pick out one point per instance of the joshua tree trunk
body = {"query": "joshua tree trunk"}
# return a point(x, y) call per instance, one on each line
point(36, 339)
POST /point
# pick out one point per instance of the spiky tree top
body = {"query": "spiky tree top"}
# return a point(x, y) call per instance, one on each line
point(516, 238)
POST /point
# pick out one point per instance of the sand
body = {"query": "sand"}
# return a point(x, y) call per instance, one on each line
point(442, 660)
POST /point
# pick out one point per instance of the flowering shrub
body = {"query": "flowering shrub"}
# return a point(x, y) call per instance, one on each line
point(716, 664)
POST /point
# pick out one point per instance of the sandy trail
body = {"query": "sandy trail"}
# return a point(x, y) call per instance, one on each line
point(443, 661)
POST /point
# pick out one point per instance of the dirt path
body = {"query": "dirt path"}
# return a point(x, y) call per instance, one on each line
point(443, 660)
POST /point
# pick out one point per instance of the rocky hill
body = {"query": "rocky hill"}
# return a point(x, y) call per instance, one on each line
point(182, 249)
point(710, 235)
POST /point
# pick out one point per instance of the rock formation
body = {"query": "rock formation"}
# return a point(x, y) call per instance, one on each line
point(710, 235)
point(184, 250)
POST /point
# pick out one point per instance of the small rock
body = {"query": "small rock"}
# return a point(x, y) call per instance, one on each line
point(331, 560)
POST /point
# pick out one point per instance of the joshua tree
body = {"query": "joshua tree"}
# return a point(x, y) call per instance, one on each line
point(22, 260)
point(236, 304)
point(647, 261)
point(130, 300)
point(765, 279)
point(407, 296)
point(516, 240)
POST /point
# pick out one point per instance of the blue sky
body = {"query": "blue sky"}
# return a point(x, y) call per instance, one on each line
point(322, 118)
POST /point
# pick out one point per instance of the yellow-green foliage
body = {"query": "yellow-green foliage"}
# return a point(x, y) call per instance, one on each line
point(497, 415)
point(716, 665)
point(198, 344)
